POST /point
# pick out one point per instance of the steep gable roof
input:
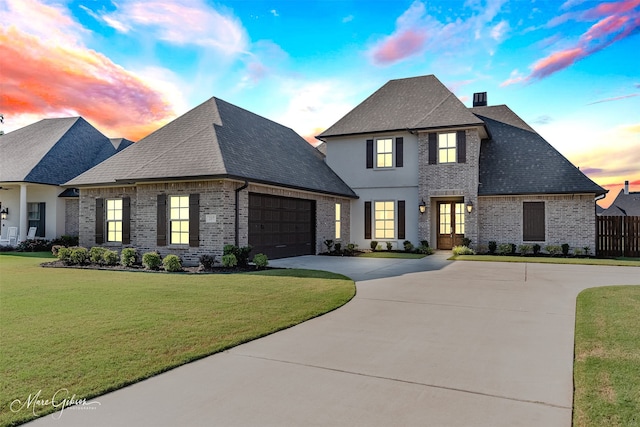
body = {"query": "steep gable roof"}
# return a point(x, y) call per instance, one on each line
point(218, 139)
point(412, 103)
point(517, 160)
point(624, 205)
point(120, 143)
point(52, 151)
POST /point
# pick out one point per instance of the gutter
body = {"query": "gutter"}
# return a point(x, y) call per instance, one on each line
point(238, 190)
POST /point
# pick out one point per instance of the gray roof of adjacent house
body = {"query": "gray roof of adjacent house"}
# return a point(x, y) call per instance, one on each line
point(120, 143)
point(220, 140)
point(517, 160)
point(52, 151)
point(413, 103)
point(624, 205)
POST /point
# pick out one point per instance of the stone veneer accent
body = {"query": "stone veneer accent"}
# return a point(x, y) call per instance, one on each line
point(450, 181)
point(71, 217)
point(568, 219)
point(217, 197)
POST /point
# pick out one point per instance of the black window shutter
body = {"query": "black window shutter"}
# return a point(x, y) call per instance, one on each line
point(401, 223)
point(399, 152)
point(126, 220)
point(367, 220)
point(433, 148)
point(161, 238)
point(41, 232)
point(461, 142)
point(533, 222)
point(99, 221)
point(194, 220)
point(369, 153)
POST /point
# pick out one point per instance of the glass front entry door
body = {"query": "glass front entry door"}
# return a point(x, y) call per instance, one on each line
point(450, 224)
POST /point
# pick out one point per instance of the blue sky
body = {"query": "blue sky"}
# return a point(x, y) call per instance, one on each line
point(569, 69)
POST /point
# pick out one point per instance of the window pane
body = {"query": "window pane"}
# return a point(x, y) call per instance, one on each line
point(384, 223)
point(447, 147)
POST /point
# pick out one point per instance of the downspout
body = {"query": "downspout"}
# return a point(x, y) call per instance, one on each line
point(238, 190)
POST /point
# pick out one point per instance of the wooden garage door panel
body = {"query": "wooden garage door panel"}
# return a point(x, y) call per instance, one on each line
point(281, 226)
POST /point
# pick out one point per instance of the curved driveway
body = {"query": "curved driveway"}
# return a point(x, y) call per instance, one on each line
point(424, 343)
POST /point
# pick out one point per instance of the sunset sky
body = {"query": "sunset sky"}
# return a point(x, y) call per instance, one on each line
point(571, 70)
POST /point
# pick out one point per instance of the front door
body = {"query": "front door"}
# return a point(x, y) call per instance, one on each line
point(450, 224)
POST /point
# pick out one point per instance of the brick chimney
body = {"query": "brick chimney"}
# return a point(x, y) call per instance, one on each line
point(626, 187)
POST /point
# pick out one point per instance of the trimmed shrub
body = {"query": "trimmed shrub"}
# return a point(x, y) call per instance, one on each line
point(524, 249)
point(492, 247)
point(207, 261)
point(66, 240)
point(408, 246)
point(78, 256)
point(466, 242)
point(423, 249)
point(229, 260)
point(578, 252)
point(151, 260)
point(553, 249)
point(241, 254)
point(587, 250)
point(110, 257)
point(338, 248)
point(34, 245)
point(424, 243)
point(350, 250)
point(261, 260)
point(463, 250)
point(513, 248)
point(504, 249)
point(172, 263)
point(374, 245)
point(128, 257)
point(389, 246)
point(96, 254)
point(565, 249)
point(536, 249)
point(329, 244)
point(64, 254)
point(54, 249)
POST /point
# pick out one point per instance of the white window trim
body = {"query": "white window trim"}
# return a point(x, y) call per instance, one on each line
point(113, 221)
point(171, 221)
point(395, 219)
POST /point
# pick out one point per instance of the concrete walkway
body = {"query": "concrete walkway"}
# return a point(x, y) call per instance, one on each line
point(424, 343)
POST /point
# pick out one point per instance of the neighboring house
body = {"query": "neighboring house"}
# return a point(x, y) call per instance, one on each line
point(35, 160)
point(425, 167)
point(216, 175)
point(627, 203)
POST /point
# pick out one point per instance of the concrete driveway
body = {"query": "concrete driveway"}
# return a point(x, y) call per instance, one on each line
point(424, 343)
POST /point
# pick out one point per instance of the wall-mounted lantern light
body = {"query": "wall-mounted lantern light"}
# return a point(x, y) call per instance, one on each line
point(3, 213)
point(469, 206)
point(422, 206)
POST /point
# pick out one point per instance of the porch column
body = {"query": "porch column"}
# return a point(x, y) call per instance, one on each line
point(23, 213)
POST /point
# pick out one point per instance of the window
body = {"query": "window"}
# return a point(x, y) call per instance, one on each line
point(384, 153)
point(459, 218)
point(384, 220)
point(179, 220)
point(114, 220)
point(533, 222)
point(338, 222)
point(36, 216)
point(447, 147)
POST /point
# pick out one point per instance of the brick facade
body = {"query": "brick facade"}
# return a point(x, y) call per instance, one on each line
point(568, 219)
point(217, 198)
point(71, 217)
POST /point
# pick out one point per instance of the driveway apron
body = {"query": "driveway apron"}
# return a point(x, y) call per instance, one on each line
point(425, 342)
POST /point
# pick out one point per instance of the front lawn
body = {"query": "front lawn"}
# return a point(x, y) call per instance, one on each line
point(607, 357)
point(549, 260)
point(389, 254)
point(92, 331)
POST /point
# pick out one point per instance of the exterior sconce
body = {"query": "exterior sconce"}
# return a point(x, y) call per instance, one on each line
point(422, 206)
point(469, 206)
point(3, 213)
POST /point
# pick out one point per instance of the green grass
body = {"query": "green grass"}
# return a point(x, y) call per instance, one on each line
point(94, 331)
point(607, 358)
point(387, 254)
point(543, 260)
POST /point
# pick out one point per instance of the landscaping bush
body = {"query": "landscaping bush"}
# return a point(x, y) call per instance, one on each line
point(207, 261)
point(350, 250)
point(338, 248)
point(110, 257)
point(492, 247)
point(54, 249)
point(483, 249)
point(389, 246)
point(553, 249)
point(466, 242)
point(536, 249)
point(66, 240)
point(172, 263)
point(424, 243)
point(408, 246)
point(151, 260)
point(329, 244)
point(96, 254)
point(587, 250)
point(128, 257)
point(578, 252)
point(64, 254)
point(503, 248)
point(463, 250)
point(241, 254)
point(261, 260)
point(424, 249)
point(374, 245)
point(565, 249)
point(524, 249)
point(513, 248)
point(34, 245)
point(229, 260)
point(79, 256)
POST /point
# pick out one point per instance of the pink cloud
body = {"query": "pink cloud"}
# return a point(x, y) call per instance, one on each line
point(617, 98)
point(399, 46)
point(556, 62)
point(613, 8)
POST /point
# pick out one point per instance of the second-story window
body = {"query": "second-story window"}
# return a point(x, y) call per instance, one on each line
point(447, 147)
point(384, 153)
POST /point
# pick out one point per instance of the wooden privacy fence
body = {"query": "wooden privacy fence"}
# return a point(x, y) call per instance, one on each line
point(618, 236)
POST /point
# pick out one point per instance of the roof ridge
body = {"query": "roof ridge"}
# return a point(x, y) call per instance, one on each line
point(433, 109)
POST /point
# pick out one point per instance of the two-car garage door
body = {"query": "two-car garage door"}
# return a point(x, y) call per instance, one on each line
point(281, 226)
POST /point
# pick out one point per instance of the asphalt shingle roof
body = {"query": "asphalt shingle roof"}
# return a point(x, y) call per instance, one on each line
point(624, 205)
point(218, 139)
point(52, 151)
point(517, 160)
point(413, 103)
